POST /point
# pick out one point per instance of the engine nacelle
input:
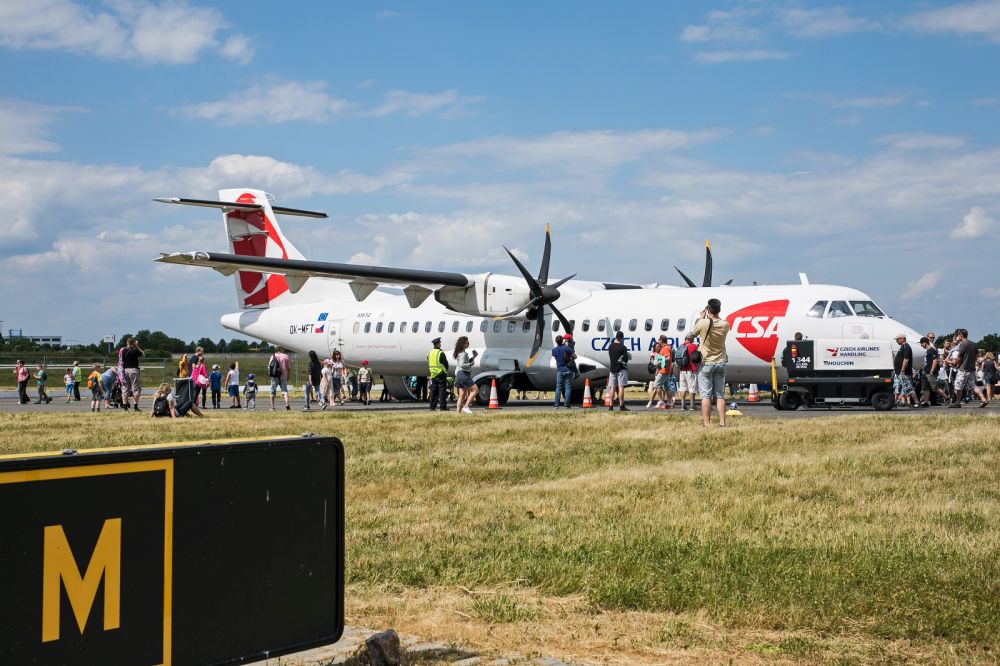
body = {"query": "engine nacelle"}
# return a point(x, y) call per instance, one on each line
point(490, 294)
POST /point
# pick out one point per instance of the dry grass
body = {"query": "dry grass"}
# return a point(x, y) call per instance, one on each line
point(647, 539)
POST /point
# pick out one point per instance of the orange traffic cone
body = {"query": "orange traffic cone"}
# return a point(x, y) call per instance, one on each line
point(587, 404)
point(607, 394)
point(494, 398)
point(753, 397)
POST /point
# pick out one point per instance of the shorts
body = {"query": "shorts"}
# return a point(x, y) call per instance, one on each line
point(365, 387)
point(96, 393)
point(69, 389)
point(616, 379)
point(662, 380)
point(688, 382)
point(902, 384)
point(712, 380)
point(279, 381)
point(964, 378)
point(131, 386)
point(463, 380)
point(234, 391)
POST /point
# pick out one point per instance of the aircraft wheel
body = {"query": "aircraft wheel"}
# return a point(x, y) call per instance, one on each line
point(483, 393)
point(790, 400)
point(882, 401)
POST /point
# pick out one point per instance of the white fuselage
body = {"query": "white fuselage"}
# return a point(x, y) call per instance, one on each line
point(395, 338)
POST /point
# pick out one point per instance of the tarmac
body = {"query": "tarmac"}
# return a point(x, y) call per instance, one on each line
point(762, 409)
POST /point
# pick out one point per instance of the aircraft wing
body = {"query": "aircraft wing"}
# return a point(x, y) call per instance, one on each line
point(416, 284)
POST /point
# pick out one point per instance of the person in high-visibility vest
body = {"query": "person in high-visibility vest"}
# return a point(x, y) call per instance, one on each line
point(437, 366)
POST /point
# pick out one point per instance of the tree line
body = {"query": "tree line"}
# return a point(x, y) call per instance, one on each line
point(154, 343)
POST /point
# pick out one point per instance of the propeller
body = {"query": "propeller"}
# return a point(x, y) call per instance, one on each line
point(707, 280)
point(542, 294)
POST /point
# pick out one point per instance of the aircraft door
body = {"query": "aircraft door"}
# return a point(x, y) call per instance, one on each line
point(333, 337)
point(857, 331)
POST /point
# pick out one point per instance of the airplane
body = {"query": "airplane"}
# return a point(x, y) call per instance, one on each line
point(308, 305)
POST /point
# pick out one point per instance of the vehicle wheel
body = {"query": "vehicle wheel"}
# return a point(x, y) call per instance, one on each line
point(882, 401)
point(790, 400)
point(483, 393)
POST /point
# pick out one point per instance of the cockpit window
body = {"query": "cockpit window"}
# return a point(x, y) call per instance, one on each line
point(840, 309)
point(817, 310)
point(866, 309)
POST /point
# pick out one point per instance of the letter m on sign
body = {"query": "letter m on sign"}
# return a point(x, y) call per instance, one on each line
point(60, 569)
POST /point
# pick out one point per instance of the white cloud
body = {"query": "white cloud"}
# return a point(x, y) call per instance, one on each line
point(748, 55)
point(24, 127)
point(723, 26)
point(975, 224)
point(386, 14)
point(448, 103)
point(851, 120)
point(987, 101)
point(892, 99)
point(823, 22)
point(275, 102)
point(981, 17)
point(169, 32)
point(921, 285)
point(921, 141)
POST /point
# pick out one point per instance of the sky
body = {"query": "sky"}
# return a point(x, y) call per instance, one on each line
point(855, 142)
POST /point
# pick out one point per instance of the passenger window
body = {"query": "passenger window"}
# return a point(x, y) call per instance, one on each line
point(840, 309)
point(378, 327)
point(392, 326)
point(428, 326)
point(817, 310)
point(482, 326)
point(618, 325)
point(368, 327)
point(511, 325)
point(497, 325)
point(601, 325)
point(586, 325)
point(526, 327)
point(357, 326)
point(664, 324)
point(633, 324)
point(555, 325)
point(440, 327)
point(454, 327)
point(468, 326)
point(648, 325)
point(402, 327)
point(572, 325)
point(681, 323)
point(416, 327)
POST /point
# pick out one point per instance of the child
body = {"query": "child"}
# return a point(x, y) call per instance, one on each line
point(365, 383)
point(250, 391)
point(68, 379)
point(215, 381)
point(94, 381)
point(41, 376)
point(233, 385)
point(163, 402)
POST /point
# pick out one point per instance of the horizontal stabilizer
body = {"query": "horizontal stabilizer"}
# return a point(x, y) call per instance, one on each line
point(233, 205)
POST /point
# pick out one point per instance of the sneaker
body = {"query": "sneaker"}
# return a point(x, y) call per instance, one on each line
point(649, 405)
point(466, 410)
point(325, 405)
point(306, 409)
point(661, 405)
point(611, 408)
point(623, 408)
point(288, 407)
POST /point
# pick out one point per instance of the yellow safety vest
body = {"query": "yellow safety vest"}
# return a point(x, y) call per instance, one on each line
point(434, 364)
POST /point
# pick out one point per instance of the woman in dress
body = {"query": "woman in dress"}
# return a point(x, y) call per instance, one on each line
point(337, 376)
point(464, 385)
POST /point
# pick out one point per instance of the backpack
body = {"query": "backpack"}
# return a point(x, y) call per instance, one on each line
point(273, 367)
point(94, 382)
point(161, 407)
point(681, 357)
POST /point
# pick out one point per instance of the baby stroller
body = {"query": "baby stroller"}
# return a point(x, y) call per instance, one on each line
point(115, 399)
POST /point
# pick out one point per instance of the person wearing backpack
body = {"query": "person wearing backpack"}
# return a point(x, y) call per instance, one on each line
point(277, 370)
point(712, 330)
point(687, 378)
point(94, 383)
point(619, 357)
point(162, 402)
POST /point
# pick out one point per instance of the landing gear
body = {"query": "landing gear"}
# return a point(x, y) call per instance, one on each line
point(484, 385)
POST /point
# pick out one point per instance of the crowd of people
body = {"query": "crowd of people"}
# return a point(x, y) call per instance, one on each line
point(951, 376)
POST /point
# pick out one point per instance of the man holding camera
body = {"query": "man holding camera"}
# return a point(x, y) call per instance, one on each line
point(712, 330)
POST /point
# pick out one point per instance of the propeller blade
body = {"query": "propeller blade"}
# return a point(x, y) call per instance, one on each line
point(516, 312)
point(543, 272)
point(729, 281)
point(707, 282)
point(536, 344)
point(563, 281)
point(536, 290)
point(686, 278)
point(565, 322)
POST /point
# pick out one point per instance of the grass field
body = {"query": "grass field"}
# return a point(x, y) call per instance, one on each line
point(621, 539)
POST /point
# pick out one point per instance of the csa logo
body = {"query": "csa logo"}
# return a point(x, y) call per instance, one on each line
point(258, 289)
point(756, 327)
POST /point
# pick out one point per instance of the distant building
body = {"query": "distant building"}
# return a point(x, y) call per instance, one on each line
point(16, 334)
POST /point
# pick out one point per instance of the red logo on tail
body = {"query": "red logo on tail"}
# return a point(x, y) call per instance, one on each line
point(258, 290)
point(756, 327)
